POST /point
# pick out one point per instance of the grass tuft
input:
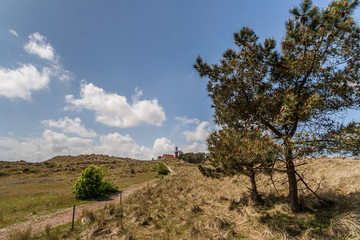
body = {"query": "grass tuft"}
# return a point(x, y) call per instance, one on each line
point(50, 235)
point(88, 215)
point(21, 235)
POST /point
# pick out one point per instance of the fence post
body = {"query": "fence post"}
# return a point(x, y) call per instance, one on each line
point(121, 197)
point(73, 218)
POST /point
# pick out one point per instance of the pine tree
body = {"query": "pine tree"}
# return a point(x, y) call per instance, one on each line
point(296, 92)
point(244, 152)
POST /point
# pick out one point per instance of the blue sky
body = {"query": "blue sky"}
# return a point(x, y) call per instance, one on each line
point(115, 77)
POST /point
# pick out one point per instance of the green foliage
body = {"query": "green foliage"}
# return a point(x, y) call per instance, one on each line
point(193, 157)
point(162, 169)
point(343, 139)
point(241, 152)
point(92, 184)
point(211, 172)
point(296, 94)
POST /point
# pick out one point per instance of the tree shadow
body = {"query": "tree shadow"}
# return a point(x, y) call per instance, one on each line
point(336, 216)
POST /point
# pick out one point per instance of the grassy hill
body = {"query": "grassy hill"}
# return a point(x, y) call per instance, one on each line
point(187, 205)
point(28, 190)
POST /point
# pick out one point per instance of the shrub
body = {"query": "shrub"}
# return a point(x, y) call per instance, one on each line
point(193, 157)
point(162, 169)
point(92, 184)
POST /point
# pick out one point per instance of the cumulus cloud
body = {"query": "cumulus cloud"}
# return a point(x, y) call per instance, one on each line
point(195, 147)
point(68, 125)
point(37, 45)
point(42, 148)
point(13, 32)
point(161, 146)
point(122, 145)
point(114, 110)
point(52, 143)
point(21, 82)
point(199, 134)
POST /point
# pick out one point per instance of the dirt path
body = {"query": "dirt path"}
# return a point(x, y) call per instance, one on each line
point(65, 215)
point(171, 171)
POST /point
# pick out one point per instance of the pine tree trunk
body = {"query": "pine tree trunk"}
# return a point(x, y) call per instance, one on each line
point(255, 197)
point(290, 170)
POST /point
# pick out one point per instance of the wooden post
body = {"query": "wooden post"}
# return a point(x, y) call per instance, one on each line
point(73, 218)
point(121, 197)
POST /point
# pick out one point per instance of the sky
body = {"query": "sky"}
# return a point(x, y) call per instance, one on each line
point(116, 77)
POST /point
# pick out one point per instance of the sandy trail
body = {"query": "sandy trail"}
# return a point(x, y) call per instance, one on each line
point(64, 216)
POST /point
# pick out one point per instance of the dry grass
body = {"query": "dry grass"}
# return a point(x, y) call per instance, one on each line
point(186, 205)
point(22, 235)
point(28, 190)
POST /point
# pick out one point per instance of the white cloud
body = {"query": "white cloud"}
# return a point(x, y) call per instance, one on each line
point(161, 146)
point(37, 45)
point(137, 95)
point(52, 144)
point(42, 148)
point(114, 110)
point(61, 144)
point(122, 145)
point(125, 146)
point(184, 120)
point(21, 82)
point(195, 147)
point(199, 134)
point(13, 32)
point(68, 125)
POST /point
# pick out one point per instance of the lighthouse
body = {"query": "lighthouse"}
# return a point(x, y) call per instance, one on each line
point(176, 152)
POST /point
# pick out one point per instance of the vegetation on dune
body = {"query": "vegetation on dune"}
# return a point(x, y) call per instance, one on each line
point(92, 184)
point(199, 157)
point(162, 169)
point(247, 152)
point(29, 190)
point(276, 109)
point(188, 206)
point(294, 95)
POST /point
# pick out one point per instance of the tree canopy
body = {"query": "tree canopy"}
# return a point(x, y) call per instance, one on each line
point(295, 93)
point(244, 152)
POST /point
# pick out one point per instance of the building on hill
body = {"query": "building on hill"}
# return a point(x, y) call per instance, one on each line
point(167, 156)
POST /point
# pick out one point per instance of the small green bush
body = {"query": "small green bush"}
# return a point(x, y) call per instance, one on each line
point(162, 169)
point(92, 184)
